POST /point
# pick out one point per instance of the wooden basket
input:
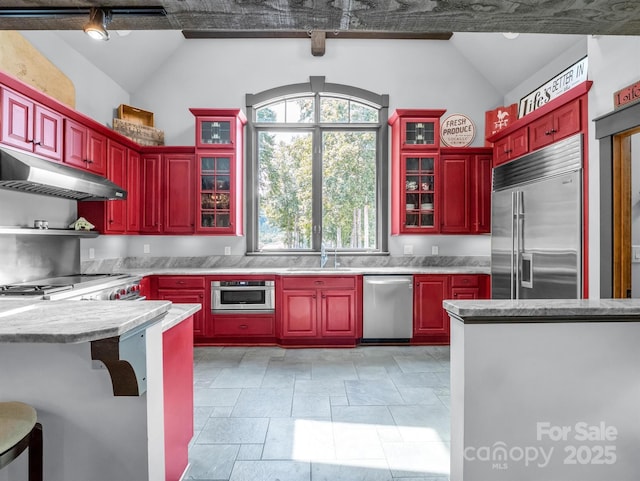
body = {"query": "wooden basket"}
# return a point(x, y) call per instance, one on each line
point(135, 115)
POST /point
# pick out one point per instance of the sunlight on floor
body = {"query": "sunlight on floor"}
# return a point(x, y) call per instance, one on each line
point(407, 449)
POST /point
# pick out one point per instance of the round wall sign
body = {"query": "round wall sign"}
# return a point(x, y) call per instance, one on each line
point(457, 130)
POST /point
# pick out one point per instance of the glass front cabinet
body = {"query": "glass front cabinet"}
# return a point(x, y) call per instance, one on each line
point(219, 144)
point(415, 144)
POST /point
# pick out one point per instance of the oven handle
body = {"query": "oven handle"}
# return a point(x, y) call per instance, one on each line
point(242, 288)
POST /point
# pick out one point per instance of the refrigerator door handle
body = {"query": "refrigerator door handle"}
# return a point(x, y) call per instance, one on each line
point(519, 218)
point(514, 221)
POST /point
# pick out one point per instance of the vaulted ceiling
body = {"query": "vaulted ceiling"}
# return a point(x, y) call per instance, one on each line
point(602, 17)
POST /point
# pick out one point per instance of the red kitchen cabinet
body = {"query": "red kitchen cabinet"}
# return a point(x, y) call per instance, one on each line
point(466, 191)
point(186, 290)
point(317, 309)
point(219, 150)
point(511, 146)
point(555, 126)
point(167, 193)
point(84, 148)
point(150, 193)
point(133, 193)
point(430, 321)
point(30, 126)
point(177, 367)
point(249, 327)
point(178, 193)
point(417, 129)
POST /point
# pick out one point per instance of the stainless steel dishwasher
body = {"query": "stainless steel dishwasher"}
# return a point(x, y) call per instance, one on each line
point(388, 308)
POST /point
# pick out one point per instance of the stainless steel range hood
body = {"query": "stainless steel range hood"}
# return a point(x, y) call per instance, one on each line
point(27, 173)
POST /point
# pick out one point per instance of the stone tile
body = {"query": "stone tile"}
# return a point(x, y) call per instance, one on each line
point(311, 406)
point(200, 416)
point(271, 471)
point(333, 370)
point(422, 423)
point(446, 400)
point(371, 415)
point(299, 369)
point(263, 402)
point(329, 387)
point(410, 364)
point(238, 378)
point(234, 431)
point(366, 372)
point(429, 459)
point(352, 470)
point(278, 380)
point(417, 379)
point(300, 440)
point(419, 395)
point(357, 441)
point(250, 452)
point(215, 397)
point(222, 412)
point(211, 461)
point(203, 376)
point(372, 393)
point(339, 400)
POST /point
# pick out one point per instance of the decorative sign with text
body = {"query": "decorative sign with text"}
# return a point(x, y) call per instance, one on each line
point(554, 88)
point(626, 95)
point(457, 130)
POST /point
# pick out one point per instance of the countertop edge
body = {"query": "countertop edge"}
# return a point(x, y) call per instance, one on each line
point(178, 313)
point(311, 271)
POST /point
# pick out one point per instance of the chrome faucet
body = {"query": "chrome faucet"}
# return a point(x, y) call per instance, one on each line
point(323, 255)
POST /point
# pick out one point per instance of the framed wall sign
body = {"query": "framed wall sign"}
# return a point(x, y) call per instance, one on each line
point(457, 130)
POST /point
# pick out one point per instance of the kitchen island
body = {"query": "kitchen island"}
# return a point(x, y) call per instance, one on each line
point(545, 389)
point(94, 372)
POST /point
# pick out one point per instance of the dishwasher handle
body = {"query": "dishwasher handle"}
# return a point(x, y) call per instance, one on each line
point(387, 282)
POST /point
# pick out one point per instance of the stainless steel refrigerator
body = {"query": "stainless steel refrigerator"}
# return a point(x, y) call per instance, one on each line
point(536, 231)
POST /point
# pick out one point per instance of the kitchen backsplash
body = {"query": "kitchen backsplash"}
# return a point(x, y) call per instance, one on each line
point(204, 262)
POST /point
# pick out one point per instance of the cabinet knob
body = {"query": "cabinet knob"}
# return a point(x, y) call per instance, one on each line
point(548, 132)
point(553, 131)
point(313, 296)
point(243, 326)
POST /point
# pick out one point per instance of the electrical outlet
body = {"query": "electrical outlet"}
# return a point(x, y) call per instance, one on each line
point(635, 257)
point(434, 250)
point(408, 249)
point(146, 248)
point(227, 250)
point(92, 253)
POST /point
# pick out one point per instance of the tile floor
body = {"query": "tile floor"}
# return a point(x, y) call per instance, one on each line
point(373, 413)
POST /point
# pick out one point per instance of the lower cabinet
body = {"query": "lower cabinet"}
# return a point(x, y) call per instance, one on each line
point(185, 290)
point(253, 326)
point(315, 310)
point(430, 320)
point(177, 366)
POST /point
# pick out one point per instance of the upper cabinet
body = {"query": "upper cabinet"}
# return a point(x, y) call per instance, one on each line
point(30, 126)
point(219, 150)
point(436, 190)
point(560, 123)
point(84, 148)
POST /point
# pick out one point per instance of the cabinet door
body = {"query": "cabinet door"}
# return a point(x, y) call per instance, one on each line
point(502, 151)
point(541, 132)
point(567, 120)
point(465, 293)
point(96, 152)
point(519, 141)
point(216, 181)
point(75, 144)
point(17, 120)
point(456, 194)
point(215, 132)
point(47, 140)
point(150, 198)
point(133, 193)
point(419, 204)
point(430, 319)
point(337, 313)
point(420, 133)
point(299, 313)
point(117, 173)
point(183, 296)
point(178, 194)
point(482, 195)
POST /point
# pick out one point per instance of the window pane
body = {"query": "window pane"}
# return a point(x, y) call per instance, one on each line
point(334, 110)
point(361, 113)
point(284, 190)
point(300, 110)
point(349, 189)
point(271, 113)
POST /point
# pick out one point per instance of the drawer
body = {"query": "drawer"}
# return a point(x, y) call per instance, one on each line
point(318, 282)
point(243, 325)
point(465, 281)
point(180, 282)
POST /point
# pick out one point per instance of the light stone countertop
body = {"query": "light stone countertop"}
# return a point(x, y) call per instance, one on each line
point(178, 313)
point(306, 271)
point(75, 321)
point(544, 310)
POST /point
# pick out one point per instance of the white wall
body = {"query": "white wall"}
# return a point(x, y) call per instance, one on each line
point(97, 95)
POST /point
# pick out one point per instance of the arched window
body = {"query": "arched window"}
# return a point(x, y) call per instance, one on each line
point(317, 169)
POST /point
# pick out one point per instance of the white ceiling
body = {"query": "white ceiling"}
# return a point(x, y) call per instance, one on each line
point(130, 57)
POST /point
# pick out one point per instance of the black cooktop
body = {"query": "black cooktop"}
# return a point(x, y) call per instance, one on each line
point(50, 285)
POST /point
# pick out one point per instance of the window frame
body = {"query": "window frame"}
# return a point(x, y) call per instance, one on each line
point(317, 87)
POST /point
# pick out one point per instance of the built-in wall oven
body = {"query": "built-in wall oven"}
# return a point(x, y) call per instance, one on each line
point(242, 295)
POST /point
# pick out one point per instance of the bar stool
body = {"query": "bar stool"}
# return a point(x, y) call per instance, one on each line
point(19, 430)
